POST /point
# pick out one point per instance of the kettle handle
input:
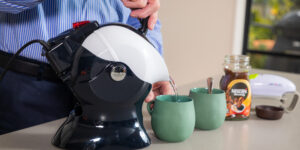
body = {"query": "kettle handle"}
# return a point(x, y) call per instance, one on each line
point(144, 26)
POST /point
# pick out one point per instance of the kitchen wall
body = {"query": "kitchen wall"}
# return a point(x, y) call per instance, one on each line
point(197, 35)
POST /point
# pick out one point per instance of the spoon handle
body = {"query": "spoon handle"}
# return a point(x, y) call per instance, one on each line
point(209, 84)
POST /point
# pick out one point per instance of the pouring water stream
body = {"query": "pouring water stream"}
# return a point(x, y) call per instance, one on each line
point(174, 89)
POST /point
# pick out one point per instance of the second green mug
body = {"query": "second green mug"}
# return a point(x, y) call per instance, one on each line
point(172, 120)
point(210, 108)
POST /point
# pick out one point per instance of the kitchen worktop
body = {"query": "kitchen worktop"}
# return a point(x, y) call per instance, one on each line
point(253, 134)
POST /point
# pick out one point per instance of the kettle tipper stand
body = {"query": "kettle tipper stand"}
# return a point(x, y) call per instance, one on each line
point(110, 70)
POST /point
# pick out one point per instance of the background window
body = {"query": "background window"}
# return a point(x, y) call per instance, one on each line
point(272, 34)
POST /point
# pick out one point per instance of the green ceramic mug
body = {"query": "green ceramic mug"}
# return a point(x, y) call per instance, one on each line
point(210, 109)
point(171, 120)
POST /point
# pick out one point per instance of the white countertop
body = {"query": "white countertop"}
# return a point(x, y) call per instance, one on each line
point(252, 134)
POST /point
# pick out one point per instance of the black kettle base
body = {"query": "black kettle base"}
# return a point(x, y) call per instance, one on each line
point(78, 134)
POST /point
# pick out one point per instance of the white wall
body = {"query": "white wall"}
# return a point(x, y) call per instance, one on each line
point(197, 35)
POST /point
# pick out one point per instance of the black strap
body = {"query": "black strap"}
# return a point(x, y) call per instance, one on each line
point(30, 67)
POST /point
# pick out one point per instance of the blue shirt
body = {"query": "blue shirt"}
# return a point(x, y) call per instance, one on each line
point(25, 20)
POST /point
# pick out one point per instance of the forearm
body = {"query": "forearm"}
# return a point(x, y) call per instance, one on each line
point(17, 6)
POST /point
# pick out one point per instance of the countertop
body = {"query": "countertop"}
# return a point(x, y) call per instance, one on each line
point(252, 134)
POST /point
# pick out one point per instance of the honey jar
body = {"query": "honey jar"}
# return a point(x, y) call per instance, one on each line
point(236, 84)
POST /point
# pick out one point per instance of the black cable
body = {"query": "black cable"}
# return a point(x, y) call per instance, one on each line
point(43, 43)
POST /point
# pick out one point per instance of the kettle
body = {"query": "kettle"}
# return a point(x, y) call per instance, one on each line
point(110, 70)
point(274, 90)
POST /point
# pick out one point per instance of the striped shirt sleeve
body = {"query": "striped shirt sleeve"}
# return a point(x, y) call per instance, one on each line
point(17, 6)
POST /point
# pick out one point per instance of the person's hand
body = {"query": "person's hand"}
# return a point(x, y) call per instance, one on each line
point(143, 9)
point(159, 88)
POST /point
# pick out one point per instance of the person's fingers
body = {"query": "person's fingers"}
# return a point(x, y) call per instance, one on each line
point(150, 9)
point(152, 20)
point(166, 89)
point(150, 97)
point(156, 85)
point(162, 88)
point(135, 3)
point(159, 88)
point(156, 92)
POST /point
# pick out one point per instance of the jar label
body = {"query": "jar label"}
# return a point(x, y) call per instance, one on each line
point(238, 97)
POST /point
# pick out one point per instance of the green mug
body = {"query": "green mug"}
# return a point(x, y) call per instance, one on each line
point(172, 120)
point(210, 109)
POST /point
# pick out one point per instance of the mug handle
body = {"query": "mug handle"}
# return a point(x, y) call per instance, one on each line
point(150, 110)
point(294, 102)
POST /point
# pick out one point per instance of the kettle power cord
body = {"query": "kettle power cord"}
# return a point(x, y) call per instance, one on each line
point(43, 43)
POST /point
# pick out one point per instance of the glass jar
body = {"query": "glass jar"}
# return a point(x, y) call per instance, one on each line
point(236, 84)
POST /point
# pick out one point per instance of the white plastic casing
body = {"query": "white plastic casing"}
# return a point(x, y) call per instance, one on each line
point(271, 85)
point(120, 44)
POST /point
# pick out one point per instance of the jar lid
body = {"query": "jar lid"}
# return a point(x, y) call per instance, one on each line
point(269, 112)
point(237, 59)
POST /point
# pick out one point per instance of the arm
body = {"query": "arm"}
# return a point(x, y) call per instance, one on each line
point(154, 36)
point(17, 6)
